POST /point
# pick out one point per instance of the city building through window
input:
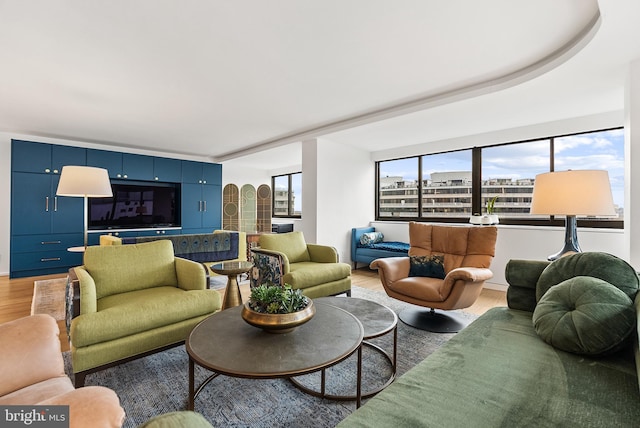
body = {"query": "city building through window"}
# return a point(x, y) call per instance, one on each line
point(287, 195)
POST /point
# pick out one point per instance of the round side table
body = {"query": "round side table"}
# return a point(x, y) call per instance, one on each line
point(232, 295)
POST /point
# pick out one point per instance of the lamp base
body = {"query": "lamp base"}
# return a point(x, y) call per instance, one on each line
point(571, 245)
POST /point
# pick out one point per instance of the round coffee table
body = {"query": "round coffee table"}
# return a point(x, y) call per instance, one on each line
point(225, 344)
point(377, 320)
point(232, 295)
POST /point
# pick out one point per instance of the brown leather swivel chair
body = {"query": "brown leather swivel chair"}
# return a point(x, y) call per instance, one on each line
point(467, 251)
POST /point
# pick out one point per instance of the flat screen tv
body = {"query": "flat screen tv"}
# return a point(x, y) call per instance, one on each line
point(136, 205)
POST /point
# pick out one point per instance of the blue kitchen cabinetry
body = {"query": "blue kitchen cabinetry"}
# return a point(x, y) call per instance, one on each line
point(44, 226)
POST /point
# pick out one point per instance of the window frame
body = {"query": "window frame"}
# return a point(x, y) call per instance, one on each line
point(290, 206)
point(476, 189)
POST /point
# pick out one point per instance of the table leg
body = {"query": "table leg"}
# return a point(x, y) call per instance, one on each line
point(232, 295)
point(359, 379)
point(191, 402)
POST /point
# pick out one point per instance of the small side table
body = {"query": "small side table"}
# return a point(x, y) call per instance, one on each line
point(232, 295)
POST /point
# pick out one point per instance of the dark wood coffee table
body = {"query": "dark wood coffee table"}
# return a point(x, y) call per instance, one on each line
point(225, 344)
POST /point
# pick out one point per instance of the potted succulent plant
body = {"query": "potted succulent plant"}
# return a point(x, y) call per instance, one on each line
point(277, 309)
point(492, 218)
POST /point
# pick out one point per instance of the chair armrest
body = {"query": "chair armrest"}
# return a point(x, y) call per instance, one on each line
point(469, 274)
point(191, 275)
point(391, 269)
point(31, 352)
point(91, 406)
point(85, 296)
point(322, 253)
point(268, 267)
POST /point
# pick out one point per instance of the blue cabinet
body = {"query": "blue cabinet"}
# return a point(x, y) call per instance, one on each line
point(167, 170)
point(201, 172)
point(122, 165)
point(201, 207)
point(43, 225)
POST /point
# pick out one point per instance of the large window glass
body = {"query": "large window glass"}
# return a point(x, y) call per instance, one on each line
point(508, 174)
point(595, 150)
point(454, 185)
point(447, 184)
point(398, 188)
point(287, 195)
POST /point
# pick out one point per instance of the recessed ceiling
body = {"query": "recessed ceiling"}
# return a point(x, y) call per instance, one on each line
point(226, 79)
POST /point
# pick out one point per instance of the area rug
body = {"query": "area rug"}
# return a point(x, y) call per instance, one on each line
point(48, 298)
point(159, 383)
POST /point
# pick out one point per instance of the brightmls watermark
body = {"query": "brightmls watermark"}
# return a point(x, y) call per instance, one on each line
point(34, 416)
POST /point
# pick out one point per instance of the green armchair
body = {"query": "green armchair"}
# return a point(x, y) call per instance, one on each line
point(128, 301)
point(285, 258)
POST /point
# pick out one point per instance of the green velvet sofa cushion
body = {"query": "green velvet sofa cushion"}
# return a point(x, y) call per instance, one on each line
point(497, 372)
point(585, 315)
point(291, 244)
point(605, 266)
point(124, 268)
point(126, 314)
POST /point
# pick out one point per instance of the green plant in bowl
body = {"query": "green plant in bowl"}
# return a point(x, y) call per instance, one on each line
point(277, 309)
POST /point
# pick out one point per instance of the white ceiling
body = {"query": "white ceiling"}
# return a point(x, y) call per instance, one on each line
point(226, 79)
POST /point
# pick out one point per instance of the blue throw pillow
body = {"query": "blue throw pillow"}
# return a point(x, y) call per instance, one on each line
point(429, 266)
point(370, 238)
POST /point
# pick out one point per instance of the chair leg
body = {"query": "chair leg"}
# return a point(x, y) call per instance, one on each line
point(79, 379)
point(432, 320)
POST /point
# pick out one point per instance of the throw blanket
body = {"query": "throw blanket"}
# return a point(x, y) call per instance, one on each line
point(209, 247)
point(400, 247)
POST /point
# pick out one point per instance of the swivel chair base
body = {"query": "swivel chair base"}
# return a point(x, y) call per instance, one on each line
point(430, 320)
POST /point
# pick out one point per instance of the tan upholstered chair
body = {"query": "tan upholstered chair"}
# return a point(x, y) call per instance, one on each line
point(467, 251)
point(32, 373)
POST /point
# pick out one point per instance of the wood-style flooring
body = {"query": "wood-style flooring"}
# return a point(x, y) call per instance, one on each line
point(16, 295)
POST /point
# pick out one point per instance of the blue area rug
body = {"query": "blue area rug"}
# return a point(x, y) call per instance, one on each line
point(159, 383)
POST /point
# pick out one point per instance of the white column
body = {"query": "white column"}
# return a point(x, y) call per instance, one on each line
point(632, 164)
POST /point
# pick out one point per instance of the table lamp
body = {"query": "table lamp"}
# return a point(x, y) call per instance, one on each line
point(572, 193)
point(87, 182)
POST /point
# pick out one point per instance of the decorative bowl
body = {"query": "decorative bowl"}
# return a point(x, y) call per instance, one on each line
point(278, 323)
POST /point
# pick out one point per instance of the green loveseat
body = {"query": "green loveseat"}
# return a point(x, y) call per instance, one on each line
point(499, 372)
point(128, 301)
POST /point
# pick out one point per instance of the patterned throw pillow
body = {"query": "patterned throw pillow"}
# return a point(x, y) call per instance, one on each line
point(429, 266)
point(371, 238)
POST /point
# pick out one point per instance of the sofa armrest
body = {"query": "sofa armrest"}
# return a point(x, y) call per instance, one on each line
point(322, 253)
point(522, 276)
point(31, 352)
point(356, 233)
point(91, 406)
point(191, 275)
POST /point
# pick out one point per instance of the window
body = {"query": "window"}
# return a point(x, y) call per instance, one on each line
point(453, 185)
point(287, 195)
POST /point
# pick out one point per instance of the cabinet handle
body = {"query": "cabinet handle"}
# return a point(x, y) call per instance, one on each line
point(119, 175)
point(55, 203)
point(47, 170)
point(125, 176)
point(50, 259)
point(204, 205)
point(50, 242)
point(46, 203)
point(156, 178)
point(55, 171)
point(204, 181)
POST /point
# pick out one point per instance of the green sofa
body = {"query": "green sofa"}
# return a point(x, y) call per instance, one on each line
point(128, 301)
point(499, 372)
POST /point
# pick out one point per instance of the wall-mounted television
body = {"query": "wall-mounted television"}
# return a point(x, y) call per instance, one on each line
point(135, 205)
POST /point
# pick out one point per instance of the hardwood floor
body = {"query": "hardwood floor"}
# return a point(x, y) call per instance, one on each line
point(16, 295)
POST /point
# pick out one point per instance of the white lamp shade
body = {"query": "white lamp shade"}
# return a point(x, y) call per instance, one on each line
point(84, 181)
point(576, 193)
